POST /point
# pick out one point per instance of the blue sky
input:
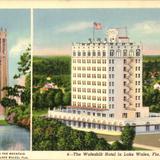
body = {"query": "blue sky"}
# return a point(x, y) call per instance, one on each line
point(17, 23)
point(56, 29)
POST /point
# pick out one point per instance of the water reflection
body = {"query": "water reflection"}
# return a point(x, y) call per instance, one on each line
point(14, 138)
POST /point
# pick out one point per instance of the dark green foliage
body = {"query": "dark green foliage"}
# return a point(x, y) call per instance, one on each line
point(151, 76)
point(49, 134)
point(58, 98)
point(8, 102)
point(117, 146)
point(67, 98)
point(49, 66)
point(127, 137)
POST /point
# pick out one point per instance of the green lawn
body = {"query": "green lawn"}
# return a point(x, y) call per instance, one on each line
point(40, 112)
point(3, 122)
point(140, 149)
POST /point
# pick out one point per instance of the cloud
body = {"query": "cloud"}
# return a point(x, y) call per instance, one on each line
point(75, 27)
point(20, 46)
point(147, 27)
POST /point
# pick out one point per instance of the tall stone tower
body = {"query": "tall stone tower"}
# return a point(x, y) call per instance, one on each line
point(3, 62)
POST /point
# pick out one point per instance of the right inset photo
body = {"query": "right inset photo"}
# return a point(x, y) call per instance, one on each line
point(96, 79)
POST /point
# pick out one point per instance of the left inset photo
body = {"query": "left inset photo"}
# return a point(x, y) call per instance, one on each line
point(15, 79)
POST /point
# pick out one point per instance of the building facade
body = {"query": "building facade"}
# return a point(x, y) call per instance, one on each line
point(3, 62)
point(106, 83)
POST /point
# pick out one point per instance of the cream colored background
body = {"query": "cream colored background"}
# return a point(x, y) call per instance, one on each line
point(31, 4)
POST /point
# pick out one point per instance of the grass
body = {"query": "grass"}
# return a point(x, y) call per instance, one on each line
point(140, 149)
point(3, 123)
point(40, 112)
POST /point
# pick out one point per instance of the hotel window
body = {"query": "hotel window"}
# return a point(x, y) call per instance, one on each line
point(88, 61)
point(98, 61)
point(93, 75)
point(84, 53)
point(138, 52)
point(93, 83)
point(88, 82)
point(74, 60)
point(93, 97)
point(124, 105)
point(79, 89)
point(124, 91)
point(89, 53)
point(84, 82)
point(79, 82)
point(94, 53)
point(112, 83)
point(112, 68)
point(74, 74)
point(112, 98)
point(89, 104)
point(74, 82)
point(104, 76)
point(93, 90)
point(109, 68)
point(104, 90)
point(89, 97)
point(84, 97)
point(98, 68)
point(125, 61)
point(104, 98)
point(94, 61)
point(99, 98)
point(112, 61)
point(79, 68)
point(98, 75)
point(103, 115)
point(74, 53)
point(99, 53)
point(104, 61)
point(88, 68)
point(124, 98)
point(88, 90)
point(124, 68)
point(125, 52)
point(83, 75)
point(83, 89)
point(157, 127)
point(79, 75)
point(74, 89)
point(124, 83)
point(104, 83)
point(79, 53)
point(111, 115)
point(104, 53)
point(124, 75)
point(79, 60)
point(137, 114)
point(124, 115)
point(79, 96)
point(93, 68)
point(74, 96)
point(99, 83)
point(83, 61)
point(104, 69)
point(112, 52)
point(98, 90)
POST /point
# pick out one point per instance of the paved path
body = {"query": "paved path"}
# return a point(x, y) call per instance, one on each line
point(146, 147)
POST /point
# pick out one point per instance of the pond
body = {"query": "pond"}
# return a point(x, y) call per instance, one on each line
point(14, 138)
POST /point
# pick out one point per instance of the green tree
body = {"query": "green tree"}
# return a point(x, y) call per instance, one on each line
point(67, 98)
point(127, 136)
point(8, 102)
point(117, 146)
point(58, 98)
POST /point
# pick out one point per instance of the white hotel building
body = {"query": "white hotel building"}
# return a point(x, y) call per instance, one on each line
point(107, 87)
